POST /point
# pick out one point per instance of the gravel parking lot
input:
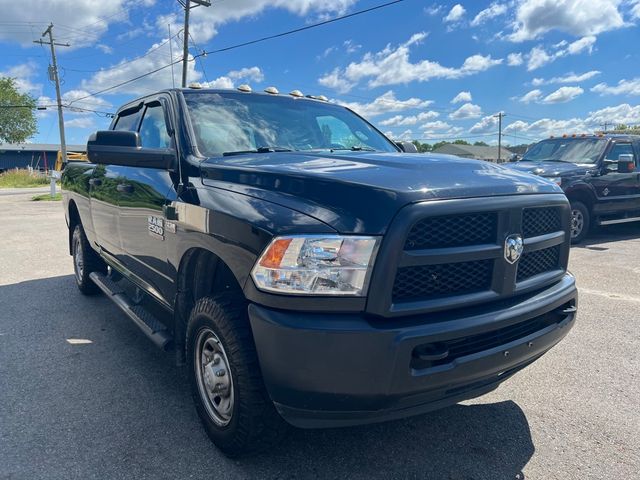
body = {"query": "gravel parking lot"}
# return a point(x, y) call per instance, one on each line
point(120, 408)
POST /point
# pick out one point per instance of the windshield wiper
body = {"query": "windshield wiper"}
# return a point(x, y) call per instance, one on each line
point(353, 149)
point(258, 150)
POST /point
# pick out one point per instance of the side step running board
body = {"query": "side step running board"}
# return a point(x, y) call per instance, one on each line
point(619, 220)
point(150, 325)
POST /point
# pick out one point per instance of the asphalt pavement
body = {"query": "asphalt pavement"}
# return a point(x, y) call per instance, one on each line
point(119, 408)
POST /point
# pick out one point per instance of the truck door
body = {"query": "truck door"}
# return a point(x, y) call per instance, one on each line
point(142, 196)
point(617, 192)
point(104, 190)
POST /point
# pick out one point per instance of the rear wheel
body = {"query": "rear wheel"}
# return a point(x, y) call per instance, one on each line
point(226, 382)
point(85, 261)
point(580, 221)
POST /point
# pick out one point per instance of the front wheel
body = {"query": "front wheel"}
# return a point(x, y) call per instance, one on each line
point(226, 382)
point(580, 221)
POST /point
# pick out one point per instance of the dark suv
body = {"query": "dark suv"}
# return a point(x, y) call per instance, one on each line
point(598, 173)
point(306, 269)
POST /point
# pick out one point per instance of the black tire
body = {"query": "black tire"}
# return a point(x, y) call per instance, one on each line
point(85, 261)
point(251, 422)
point(580, 221)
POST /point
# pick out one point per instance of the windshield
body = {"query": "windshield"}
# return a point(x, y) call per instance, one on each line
point(232, 123)
point(572, 150)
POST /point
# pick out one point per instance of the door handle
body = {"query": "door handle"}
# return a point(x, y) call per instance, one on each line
point(95, 182)
point(124, 188)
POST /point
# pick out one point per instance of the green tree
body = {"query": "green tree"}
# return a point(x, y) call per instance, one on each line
point(480, 144)
point(621, 126)
point(17, 113)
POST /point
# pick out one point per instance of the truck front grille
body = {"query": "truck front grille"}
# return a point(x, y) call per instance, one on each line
point(430, 281)
point(450, 254)
point(453, 231)
point(540, 221)
point(537, 262)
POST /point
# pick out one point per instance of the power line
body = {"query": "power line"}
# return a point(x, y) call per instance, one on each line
point(199, 58)
point(153, 50)
point(104, 90)
point(301, 29)
point(325, 22)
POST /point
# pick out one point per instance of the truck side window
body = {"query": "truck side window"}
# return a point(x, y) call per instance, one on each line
point(128, 120)
point(153, 129)
point(617, 150)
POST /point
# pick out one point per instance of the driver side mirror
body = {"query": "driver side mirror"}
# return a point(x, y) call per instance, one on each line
point(407, 147)
point(120, 147)
point(626, 163)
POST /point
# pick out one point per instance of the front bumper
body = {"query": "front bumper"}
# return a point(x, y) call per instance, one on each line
point(331, 370)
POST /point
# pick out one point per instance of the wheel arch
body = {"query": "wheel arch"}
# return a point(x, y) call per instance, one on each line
point(201, 273)
point(73, 216)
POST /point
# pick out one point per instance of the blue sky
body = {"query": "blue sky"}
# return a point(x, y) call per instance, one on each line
point(417, 69)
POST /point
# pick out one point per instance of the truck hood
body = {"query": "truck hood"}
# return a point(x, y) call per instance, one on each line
point(360, 192)
point(551, 169)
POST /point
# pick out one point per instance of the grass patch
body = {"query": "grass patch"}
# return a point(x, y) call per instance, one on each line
point(22, 179)
point(46, 197)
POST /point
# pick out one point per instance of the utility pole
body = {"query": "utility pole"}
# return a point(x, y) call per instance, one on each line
point(53, 72)
point(605, 125)
point(499, 116)
point(187, 5)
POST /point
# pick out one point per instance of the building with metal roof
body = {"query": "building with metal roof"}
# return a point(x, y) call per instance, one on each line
point(489, 154)
point(40, 156)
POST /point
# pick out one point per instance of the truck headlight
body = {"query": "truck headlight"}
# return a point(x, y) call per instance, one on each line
point(316, 265)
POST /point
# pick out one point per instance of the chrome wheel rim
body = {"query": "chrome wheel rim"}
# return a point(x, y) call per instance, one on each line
point(78, 260)
point(215, 382)
point(577, 223)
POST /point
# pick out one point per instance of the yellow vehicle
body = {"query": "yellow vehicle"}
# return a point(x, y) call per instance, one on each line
point(75, 156)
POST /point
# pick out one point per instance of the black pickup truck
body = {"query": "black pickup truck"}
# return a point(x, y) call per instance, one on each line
point(598, 173)
point(306, 269)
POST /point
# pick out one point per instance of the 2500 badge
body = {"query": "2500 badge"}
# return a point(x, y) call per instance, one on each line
point(156, 227)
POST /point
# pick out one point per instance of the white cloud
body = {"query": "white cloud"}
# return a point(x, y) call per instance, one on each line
point(563, 95)
point(94, 16)
point(579, 46)
point(400, 120)
point(624, 87)
point(80, 122)
point(392, 66)
point(156, 58)
point(468, 110)
point(494, 10)
point(436, 126)
point(539, 57)
point(206, 21)
point(385, 103)
point(22, 74)
point(253, 74)
point(336, 81)
point(462, 97)
point(532, 96)
point(580, 18)
point(350, 46)
point(635, 9)
point(441, 133)
point(546, 127)
point(433, 10)
point(486, 125)
point(567, 78)
point(455, 14)
point(514, 59)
